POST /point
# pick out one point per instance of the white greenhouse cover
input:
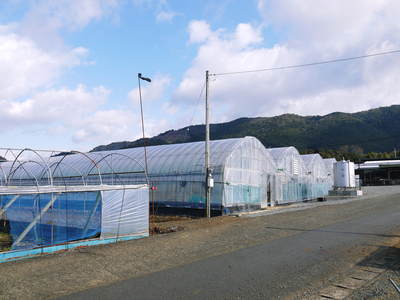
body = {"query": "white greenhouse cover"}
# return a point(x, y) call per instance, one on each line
point(329, 162)
point(245, 173)
point(185, 158)
point(125, 212)
point(288, 160)
point(241, 167)
point(315, 165)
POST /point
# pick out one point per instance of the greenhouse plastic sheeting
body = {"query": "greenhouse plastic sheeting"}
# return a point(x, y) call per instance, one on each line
point(329, 162)
point(39, 220)
point(241, 169)
point(124, 212)
point(317, 180)
point(291, 185)
point(299, 177)
point(48, 219)
point(246, 174)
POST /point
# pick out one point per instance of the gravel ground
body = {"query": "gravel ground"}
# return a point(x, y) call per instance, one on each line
point(64, 273)
point(381, 287)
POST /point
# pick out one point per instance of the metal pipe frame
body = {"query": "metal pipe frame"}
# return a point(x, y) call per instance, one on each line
point(124, 156)
point(62, 175)
point(21, 165)
point(40, 157)
point(51, 169)
point(86, 156)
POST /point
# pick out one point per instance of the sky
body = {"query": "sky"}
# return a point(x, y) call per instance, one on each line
point(68, 68)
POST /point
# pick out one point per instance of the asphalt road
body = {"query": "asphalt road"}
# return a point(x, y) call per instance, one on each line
point(271, 270)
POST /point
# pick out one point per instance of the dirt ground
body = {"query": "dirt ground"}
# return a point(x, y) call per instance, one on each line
point(169, 224)
point(191, 240)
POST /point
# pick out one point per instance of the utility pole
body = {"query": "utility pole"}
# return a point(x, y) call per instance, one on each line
point(209, 180)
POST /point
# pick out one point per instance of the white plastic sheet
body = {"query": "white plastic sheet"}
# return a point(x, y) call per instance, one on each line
point(125, 212)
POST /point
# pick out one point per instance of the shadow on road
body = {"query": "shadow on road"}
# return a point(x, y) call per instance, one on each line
point(384, 257)
point(333, 231)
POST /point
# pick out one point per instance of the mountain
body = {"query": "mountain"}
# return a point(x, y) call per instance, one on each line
point(375, 130)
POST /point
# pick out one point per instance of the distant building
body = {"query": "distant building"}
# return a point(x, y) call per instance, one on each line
point(379, 172)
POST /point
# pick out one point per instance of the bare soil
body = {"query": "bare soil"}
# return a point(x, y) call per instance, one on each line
point(76, 270)
point(168, 224)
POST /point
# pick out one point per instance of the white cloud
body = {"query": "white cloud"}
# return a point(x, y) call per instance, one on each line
point(45, 20)
point(33, 57)
point(71, 14)
point(166, 15)
point(25, 67)
point(199, 31)
point(247, 35)
point(76, 114)
point(308, 31)
point(32, 52)
point(163, 12)
point(63, 106)
point(105, 126)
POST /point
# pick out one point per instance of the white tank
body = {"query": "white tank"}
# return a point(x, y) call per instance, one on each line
point(344, 174)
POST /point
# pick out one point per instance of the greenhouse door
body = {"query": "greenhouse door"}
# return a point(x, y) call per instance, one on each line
point(269, 191)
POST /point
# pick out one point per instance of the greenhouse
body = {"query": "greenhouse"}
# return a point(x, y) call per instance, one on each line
point(51, 202)
point(317, 180)
point(290, 175)
point(242, 169)
point(329, 163)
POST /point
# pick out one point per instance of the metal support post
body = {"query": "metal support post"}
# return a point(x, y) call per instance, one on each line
point(208, 177)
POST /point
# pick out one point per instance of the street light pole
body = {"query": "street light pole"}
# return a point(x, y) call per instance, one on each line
point(141, 114)
point(143, 134)
point(209, 180)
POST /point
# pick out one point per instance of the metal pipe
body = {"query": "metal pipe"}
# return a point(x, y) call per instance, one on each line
point(35, 220)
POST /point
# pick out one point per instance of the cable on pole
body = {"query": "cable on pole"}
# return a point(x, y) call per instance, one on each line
point(197, 103)
point(308, 64)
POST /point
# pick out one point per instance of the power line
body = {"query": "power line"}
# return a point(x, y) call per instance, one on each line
point(308, 64)
point(197, 103)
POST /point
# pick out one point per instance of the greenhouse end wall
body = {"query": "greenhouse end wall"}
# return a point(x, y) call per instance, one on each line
point(317, 180)
point(62, 219)
point(248, 177)
point(291, 183)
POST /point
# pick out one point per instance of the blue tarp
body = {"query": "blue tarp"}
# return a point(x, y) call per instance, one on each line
point(71, 217)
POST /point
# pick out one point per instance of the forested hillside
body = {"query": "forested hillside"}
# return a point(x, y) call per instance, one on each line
point(375, 130)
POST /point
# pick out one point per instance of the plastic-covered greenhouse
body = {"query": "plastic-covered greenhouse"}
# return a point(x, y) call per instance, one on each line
point(59, 200)
point(290, 175)
point(329, 164)
point(316, 176)
point(55, 202)
point(242, 169)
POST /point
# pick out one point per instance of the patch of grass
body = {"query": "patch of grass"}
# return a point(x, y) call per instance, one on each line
point(4, 237)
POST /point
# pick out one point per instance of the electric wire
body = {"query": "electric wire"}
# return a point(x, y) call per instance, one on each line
point(197, 103)
point(308, 64)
